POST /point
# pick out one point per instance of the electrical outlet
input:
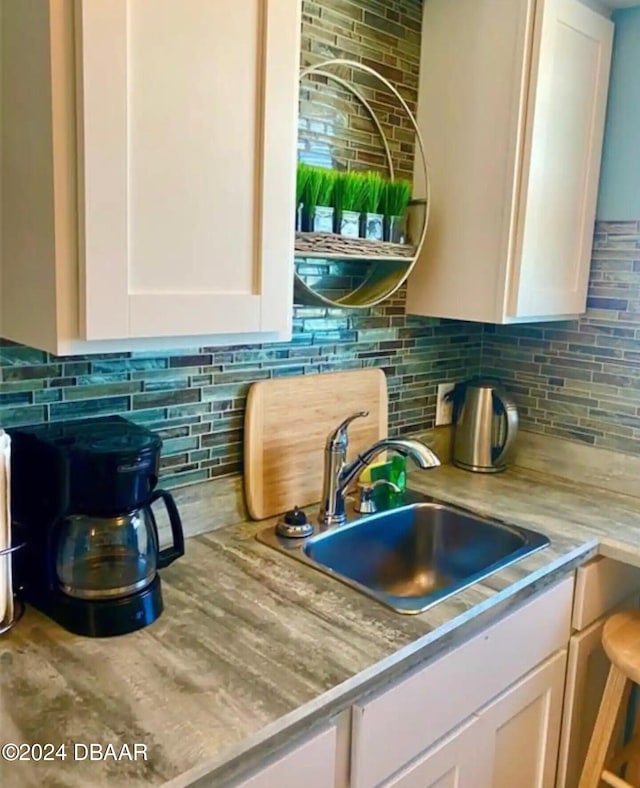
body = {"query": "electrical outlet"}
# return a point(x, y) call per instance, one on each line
point(444, 405)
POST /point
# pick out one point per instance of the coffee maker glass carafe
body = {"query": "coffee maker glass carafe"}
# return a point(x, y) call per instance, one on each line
point(106, 557)
point(110, 557)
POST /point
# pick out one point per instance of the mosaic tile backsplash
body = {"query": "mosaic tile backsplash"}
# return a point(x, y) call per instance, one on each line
point(581, 379)
point(195, 398)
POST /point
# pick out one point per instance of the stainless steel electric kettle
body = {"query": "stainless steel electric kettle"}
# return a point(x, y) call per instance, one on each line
point(486, 423)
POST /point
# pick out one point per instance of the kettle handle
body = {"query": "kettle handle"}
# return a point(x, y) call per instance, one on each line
point(176, 550)
point(511, 419)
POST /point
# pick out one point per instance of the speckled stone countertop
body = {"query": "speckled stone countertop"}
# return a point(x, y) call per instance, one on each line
point(255, 648)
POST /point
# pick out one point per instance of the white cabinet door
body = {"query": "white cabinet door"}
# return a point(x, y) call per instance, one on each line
point(311, 765)
point(474, 65)
point(521, 729)
point(456, 762)
point(393, 727)
point(511, 742)
point(187, 136)
point(567, 105)
point(511, 105)
point(587, 671)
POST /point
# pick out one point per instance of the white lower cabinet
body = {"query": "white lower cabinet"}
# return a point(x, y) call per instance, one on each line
point(603, 587)
point(475, 717)
point(511, 742)
point(521, 730)
point(586, 676)
point(311, 764)
point(512, 707)
point(452, 763)
point(587, 671)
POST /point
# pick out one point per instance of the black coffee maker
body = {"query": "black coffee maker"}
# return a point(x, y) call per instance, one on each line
point(83, 492)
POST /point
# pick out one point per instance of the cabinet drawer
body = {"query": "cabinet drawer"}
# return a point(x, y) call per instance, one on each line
point(601, 585)
point(311, 764)
point(392, 728)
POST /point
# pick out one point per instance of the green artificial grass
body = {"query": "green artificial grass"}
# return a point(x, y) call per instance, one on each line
point(373, 192)
point(302, 176)
point(395, 197)
point(348, 192)
point(317, 188)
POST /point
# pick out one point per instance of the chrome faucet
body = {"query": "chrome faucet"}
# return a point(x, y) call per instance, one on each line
point(338, 474)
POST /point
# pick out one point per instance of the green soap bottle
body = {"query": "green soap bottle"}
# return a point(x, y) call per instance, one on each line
point(399, 473)
point(393, 471)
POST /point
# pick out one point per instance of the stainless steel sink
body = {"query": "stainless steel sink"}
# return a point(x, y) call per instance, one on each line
point(414, 556)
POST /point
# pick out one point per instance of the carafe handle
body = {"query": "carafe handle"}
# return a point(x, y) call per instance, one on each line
point(511, 421)
point(176, 550)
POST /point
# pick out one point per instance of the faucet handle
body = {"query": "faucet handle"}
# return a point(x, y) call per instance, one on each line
point(366, 503)
point(338, 438)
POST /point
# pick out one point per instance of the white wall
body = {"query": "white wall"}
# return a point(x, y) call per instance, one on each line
point(619, 198)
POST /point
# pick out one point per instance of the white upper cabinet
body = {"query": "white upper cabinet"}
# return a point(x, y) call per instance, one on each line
point(512, 108)
point(162, 175)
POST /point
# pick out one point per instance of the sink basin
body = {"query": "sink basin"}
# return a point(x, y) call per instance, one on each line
point(414, 556)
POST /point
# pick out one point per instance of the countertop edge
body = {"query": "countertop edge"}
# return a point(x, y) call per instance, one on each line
point(618, 551)
point(277, 737)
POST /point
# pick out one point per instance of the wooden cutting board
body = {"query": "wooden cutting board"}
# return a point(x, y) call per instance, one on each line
point(286, 427)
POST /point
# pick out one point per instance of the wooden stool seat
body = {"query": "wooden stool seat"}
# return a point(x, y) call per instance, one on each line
point(621, 642)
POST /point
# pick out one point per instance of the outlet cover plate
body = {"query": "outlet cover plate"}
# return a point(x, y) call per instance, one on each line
point(444, 406)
